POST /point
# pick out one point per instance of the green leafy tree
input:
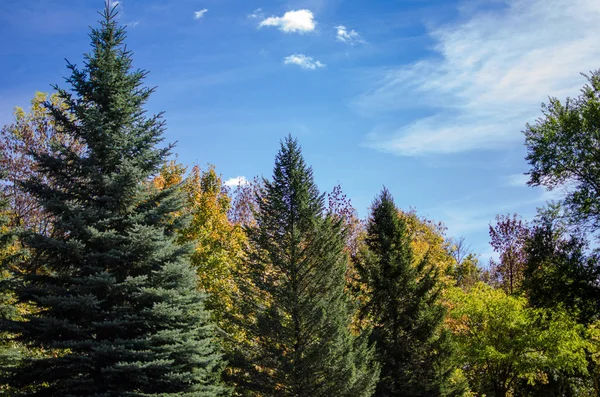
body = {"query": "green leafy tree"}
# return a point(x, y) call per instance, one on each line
point(466, 271)
point(118, 309)
point(561, 270)
point(300, 315)
point(502, 343)
point(563, 148)
point(403, 307)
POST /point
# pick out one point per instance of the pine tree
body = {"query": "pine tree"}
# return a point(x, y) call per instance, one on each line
point(118, 309)
point(10, 353)
point(301, 316)
point(402, 307)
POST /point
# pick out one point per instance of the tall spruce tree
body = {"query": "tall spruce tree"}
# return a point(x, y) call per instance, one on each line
point(118, 312)
point(402, 306)
point(302, 344)
point(10, 353)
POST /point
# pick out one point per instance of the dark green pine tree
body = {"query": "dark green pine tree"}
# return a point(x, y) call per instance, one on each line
point(300, 314)
point(403, 307)
point(118, 312)
point(10, 353)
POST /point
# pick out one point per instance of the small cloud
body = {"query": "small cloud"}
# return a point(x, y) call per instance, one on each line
point(113, 3)
point(237, 181)
point(349, 37)
point(517, 180)
point(305, 62)
point(300, 21)
point(200, 14)
point(256, 14)
point(133, 24)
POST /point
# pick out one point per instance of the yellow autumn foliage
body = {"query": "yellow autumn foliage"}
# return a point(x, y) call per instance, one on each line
point(428, 238)
point(218, 243)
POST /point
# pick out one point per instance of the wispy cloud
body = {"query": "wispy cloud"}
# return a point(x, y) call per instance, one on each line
point(114, 3)
point(200, 14)
point(305, 62)
point(348, 36)
point(237, 181)
point(256, 14)
point(489, 74)
point(133, 24)
point(300, 21)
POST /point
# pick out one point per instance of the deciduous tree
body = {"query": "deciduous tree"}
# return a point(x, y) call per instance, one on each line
point(502, 342)
point(563, 148)
point(508, 239)
point(562, 271)
point(33, 131)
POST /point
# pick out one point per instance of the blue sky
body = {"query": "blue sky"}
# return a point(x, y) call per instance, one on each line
point(428, 98)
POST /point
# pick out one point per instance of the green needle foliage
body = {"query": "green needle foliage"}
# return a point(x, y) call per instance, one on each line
point(301, 336)
point(402, 306)
point(10, 352)
point(118, 310)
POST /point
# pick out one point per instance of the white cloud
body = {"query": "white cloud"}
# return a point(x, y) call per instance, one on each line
point(113, 3)
point(300, 21)
point(200, 14)
point(348, 36)
point(237, 181)
point(133, 24)
point(305, 62)
point(256, 14)
point(488, 77)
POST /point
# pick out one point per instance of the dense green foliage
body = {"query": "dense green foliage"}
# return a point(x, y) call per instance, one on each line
point(402, 306)
point(561, 271)
point(303, 343)
point(563, 150)
point(502, 341)
point(117, 304)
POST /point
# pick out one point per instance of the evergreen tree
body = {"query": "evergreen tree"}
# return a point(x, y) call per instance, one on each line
point(295, 295)
point(403, 307)
point(10, 352)
point(118, 309)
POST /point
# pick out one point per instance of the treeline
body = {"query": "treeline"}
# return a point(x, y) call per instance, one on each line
point(123, 273)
